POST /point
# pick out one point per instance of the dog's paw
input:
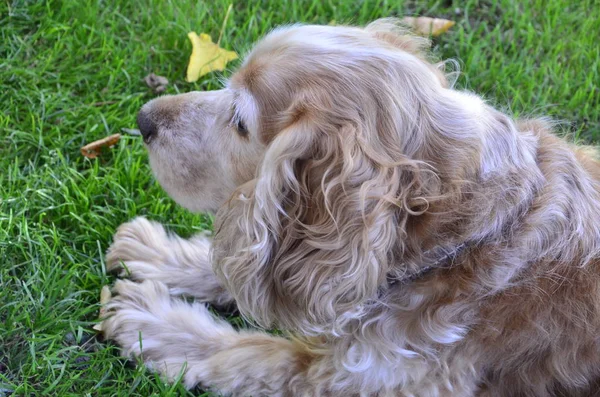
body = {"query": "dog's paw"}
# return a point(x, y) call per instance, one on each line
point(142, 250)
point(137, 244)
point(168, 334)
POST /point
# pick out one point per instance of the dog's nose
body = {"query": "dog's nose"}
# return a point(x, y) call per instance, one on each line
point(146, 125)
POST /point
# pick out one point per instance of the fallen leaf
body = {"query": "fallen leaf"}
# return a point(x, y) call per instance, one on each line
point(156, 82)
point(428, 26)
point(105, 296)
point(93, 150)
point(206, 56)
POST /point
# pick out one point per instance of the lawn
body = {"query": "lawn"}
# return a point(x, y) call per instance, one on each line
point(72, 72)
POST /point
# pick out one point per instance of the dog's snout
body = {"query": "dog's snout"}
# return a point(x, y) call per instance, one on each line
point(146, 125)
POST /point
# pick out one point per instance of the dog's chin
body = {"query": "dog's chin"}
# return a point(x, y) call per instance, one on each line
point(192, 201)
point(190, 196)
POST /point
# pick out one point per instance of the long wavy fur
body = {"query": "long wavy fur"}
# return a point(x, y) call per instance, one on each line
point(373, 169)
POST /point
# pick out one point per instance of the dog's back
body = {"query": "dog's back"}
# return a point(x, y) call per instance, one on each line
point(541, 336)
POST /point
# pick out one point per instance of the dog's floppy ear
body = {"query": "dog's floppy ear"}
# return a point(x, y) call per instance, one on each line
point(368, 140)
point(322, 223)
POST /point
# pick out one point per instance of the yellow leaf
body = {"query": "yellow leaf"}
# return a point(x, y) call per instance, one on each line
point(206, 56)
point(428, 26)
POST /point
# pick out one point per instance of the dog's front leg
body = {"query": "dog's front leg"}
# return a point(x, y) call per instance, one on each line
point(142, 250)
point(176, 338)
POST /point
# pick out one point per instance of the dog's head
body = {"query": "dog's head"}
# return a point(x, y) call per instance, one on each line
point(320, 153)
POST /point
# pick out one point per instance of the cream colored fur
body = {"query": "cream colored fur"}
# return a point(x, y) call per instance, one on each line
point(337, 159)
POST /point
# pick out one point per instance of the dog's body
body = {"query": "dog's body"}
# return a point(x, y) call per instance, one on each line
point(413, 240)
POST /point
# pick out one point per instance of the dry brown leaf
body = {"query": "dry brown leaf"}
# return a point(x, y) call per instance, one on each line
point(93, 150)
point(428, 26)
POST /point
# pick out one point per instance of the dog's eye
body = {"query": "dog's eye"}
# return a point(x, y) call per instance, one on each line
point(241, 128)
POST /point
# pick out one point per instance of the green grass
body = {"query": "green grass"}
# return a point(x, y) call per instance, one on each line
point(71, 72)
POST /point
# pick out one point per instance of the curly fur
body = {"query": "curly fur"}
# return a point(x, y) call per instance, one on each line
point(360, 165)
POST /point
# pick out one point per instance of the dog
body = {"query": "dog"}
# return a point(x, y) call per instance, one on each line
point(407, 238)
